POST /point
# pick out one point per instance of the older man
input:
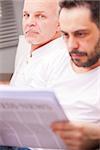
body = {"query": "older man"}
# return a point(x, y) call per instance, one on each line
point(45, 62)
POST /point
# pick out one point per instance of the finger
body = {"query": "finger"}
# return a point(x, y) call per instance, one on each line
point(71, 145)
point(66, 135)
point(62, 125)
point(73, 135)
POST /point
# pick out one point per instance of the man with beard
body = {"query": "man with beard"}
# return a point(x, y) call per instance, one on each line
point(80, 25)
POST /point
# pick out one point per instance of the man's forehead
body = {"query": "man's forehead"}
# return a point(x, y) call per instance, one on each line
point(50, 2)
point(76, 16)
point(75, 12)
point(41, 5)
point(72, 21)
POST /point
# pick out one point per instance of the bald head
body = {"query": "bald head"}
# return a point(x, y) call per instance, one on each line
point(40, 21)
point(48, 5)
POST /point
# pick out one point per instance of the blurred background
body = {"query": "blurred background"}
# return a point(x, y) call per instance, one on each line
point(10, 29)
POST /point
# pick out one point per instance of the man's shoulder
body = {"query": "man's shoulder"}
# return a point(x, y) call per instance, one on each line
point(56, 48)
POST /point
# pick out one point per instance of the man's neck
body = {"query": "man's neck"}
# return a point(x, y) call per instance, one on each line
point(35, 47)
point(84, 69)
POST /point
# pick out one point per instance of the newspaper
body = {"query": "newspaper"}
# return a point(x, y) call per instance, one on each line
point(26, 117)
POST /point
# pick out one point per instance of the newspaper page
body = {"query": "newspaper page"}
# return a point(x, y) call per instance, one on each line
point(26, 117)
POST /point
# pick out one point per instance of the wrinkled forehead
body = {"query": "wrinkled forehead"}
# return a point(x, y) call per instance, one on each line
point(41, 5)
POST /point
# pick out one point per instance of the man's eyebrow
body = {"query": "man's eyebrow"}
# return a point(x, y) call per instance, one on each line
point(63, 32)
point(39, 12)
point(35, 12)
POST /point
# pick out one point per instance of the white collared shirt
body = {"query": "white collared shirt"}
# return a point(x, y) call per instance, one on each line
point(44, 68)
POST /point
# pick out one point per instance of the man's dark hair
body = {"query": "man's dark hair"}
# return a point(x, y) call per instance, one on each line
point(93, 5)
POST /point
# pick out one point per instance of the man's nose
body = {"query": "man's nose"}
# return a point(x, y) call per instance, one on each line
point(32, 21)
point(73, 44)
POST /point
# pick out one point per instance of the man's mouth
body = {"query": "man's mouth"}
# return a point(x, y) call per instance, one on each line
point(31, 31)
point(77, 54)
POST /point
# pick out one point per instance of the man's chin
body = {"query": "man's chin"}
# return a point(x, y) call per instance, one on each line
point(31, 41)
point(79, 64)
point(84, 65)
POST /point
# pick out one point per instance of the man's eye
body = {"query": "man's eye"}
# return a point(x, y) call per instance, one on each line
point(80, 34)
point(65, 36)
point(40, 16)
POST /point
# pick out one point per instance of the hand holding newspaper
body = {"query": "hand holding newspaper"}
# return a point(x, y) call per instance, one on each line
point(26, 117)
